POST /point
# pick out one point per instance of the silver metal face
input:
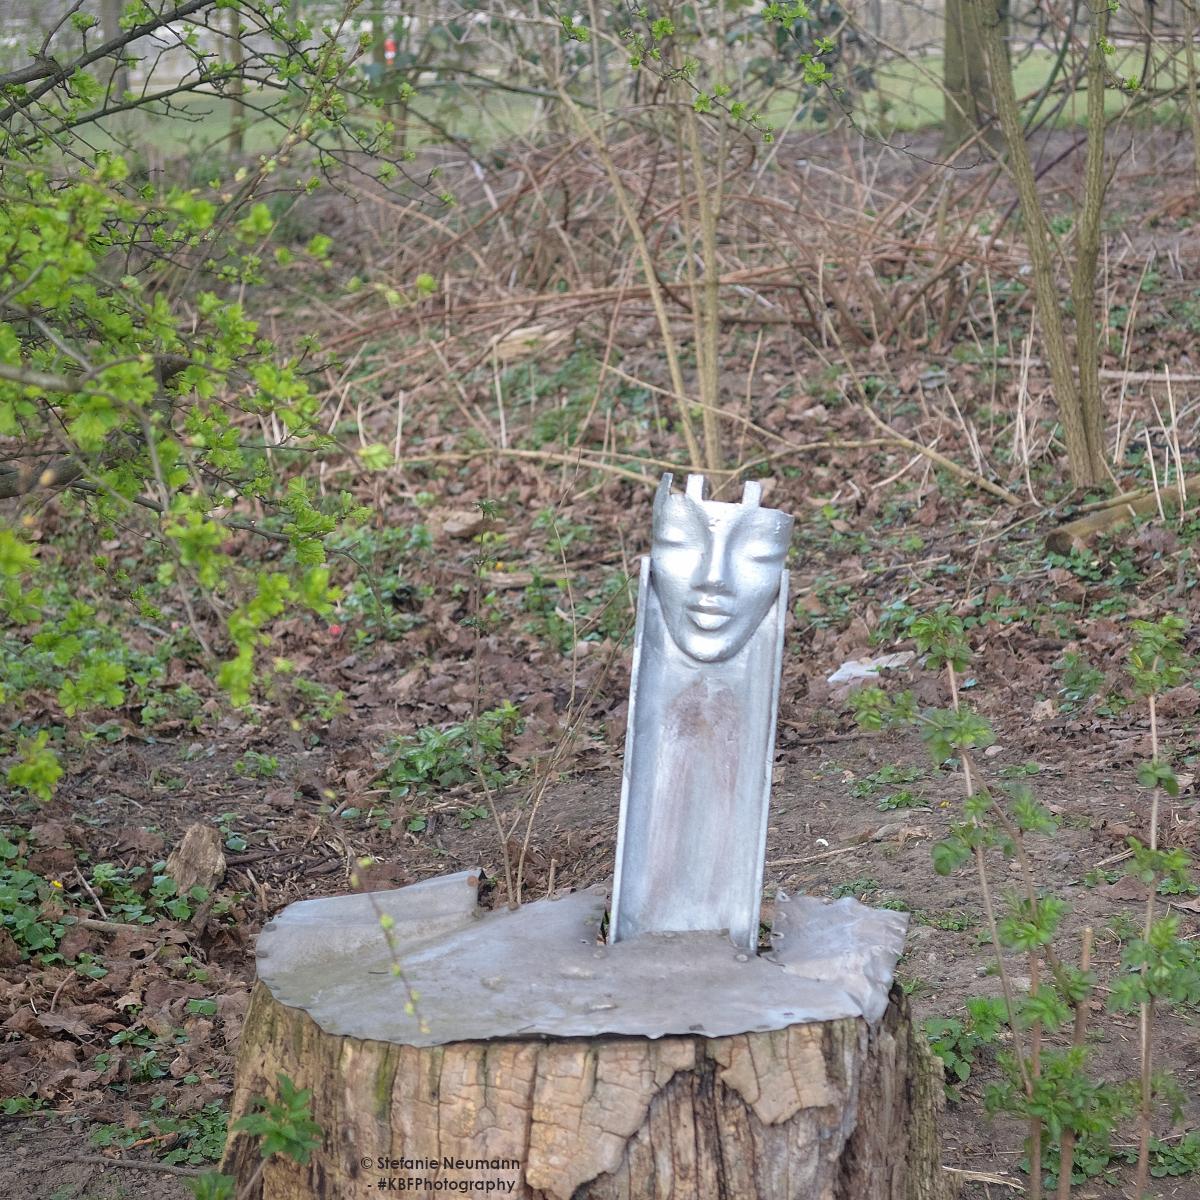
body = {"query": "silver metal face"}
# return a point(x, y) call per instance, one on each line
point(707, 654)
point(715, 567)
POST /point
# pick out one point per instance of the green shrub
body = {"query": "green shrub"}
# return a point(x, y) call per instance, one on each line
point(439, 759)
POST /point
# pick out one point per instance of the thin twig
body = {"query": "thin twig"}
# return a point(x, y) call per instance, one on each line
point(98, 1160)
point(986, 485)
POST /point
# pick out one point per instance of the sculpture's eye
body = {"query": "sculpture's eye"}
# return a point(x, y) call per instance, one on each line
point(762, 552)
point(673, 536)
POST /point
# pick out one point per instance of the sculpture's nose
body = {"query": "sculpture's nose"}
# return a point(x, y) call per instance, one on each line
point(715, 570)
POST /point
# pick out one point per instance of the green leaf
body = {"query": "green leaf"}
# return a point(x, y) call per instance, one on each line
point(212, 1186)
point(98, 685)
point(950, 854)
point(1126, 993)
point(285, 1124)
point(319, 246)
point(1047, 1007)
point(16, 556)
point(37, 768)
point(1028, 814)
point(256, 224)
point(946, 732)
point(1158, 774)
point(376, 457)
point(941, 638)
point(1031, 924)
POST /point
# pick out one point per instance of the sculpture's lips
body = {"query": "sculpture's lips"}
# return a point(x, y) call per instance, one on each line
point(709, 617)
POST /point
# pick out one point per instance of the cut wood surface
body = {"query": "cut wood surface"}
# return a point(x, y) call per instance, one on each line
point(832, 1110)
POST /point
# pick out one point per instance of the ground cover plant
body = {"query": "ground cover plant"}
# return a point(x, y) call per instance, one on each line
point(332, 398)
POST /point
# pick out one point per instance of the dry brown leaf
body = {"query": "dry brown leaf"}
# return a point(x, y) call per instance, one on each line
point(1127, 888)
point(462, 523)
point(66, 1023)
point(10, 952)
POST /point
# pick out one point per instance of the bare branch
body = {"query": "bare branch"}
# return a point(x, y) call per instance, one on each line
point(28, 377)
point(52, 73)
point(20, 480)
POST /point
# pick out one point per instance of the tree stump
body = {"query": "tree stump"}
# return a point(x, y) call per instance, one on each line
point(820, 1109)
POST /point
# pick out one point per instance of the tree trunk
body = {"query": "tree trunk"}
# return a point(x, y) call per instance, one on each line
point(967, 102)
point(1193, 84)
point(835, 1110)
point(110, 28)
point(1088, 320)
point(1082, 421)
point(237, 86)
point(378, 38)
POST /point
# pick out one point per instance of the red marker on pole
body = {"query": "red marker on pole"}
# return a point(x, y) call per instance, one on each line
point(389, 50)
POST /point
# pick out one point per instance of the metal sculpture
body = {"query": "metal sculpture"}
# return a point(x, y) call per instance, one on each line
point(693, 823)
point(708, 649)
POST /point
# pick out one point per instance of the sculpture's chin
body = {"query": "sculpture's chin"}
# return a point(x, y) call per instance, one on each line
point(707, 647)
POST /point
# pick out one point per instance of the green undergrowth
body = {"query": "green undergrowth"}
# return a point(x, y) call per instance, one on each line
point(36, 911)
point(438, 759)
point(1040, 1057)
point(193, 1138)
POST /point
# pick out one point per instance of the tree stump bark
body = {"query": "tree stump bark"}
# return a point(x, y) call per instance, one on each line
point(828, 1110)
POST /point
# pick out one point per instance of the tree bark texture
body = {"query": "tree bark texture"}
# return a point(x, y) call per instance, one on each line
point(110, 28)
point(1081, 532)
point(237, 85)
point(968, 106)
point(1081, 418)
point(1088, 320)
point(824, 1111)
